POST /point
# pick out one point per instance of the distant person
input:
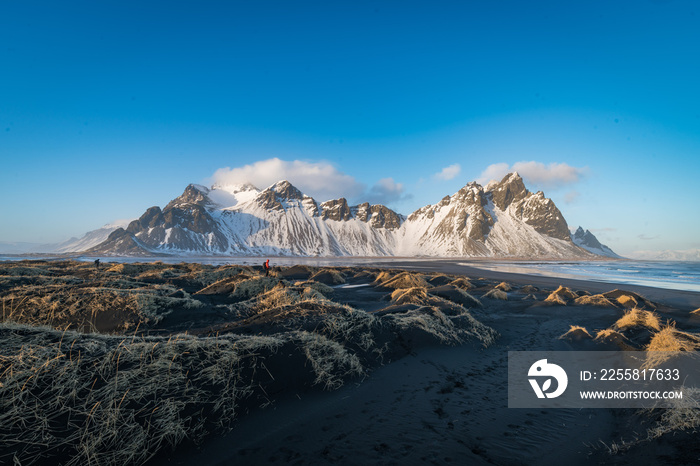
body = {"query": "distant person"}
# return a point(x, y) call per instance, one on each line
point(97, 263)
point(266, 267)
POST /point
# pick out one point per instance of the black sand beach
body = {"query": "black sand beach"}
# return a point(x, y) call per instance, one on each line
point(418, 373)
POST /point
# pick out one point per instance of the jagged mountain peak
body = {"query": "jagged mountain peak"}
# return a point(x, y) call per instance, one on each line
point(587, 240)
point(286, 190)
point(194, 194)
point(510, 189)
point(503, 220)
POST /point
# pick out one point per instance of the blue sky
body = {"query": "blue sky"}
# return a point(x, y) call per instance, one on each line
point(108, 108)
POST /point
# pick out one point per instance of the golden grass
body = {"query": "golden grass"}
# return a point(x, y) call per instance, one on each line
point(88, 308)
point(462, 283)
point(556, 299)
point(406, 280)
point(593, 300)
point(503, 286)
point(383, 276)
point(667, 342)
point(415, 295)
point(638, 318)
point(576, 332)
point(610, 335)
point(328, 276)
point(627, 301)
point(561, 296)
point(320, 287)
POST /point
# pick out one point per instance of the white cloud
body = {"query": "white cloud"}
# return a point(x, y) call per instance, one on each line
point(320, 180)
point(551, 176)
point(386, 191)
point(448, 172)
point(495, 172)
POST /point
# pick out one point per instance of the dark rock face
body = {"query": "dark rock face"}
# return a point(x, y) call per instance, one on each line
point(378, 216)
point(337, 210)
point(383, 217)
point(273, 197)
point(534, 209)
point(587, 238)
point(285, 190)
point(193, 195)
point(510, 189)
point(153, 217)
point(120, 242)
point(544, 216)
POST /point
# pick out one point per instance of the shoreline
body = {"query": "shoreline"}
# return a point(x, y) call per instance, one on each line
point(687, 300)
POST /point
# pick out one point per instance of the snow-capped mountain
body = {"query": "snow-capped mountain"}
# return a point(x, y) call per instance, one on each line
point(87, 241)
point(502, 220)
point(90, 239)
point(590, 243)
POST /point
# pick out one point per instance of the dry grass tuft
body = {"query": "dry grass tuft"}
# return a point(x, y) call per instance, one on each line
point(320, 287)
point(462, 283)
point(75, 399)
point(503, 286)
point(627, 301)
point(683, 415)
point(614, 337)
point(330, 360)
point(561, 296)
point(667, 342)
point(406, 280)
point(382, 277)
point(416, 295)
point(593, 300)
point(496, 294)
point(438, 279)
point(98, 306)
point(328, 277)
point(576, 333)
point(630, 299)
point(253, 287)
point(638, 318)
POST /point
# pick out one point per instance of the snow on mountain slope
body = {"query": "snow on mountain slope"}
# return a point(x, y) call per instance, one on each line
point(90, 239)
point(503, 220)
point(233, 194)
point(586, 240)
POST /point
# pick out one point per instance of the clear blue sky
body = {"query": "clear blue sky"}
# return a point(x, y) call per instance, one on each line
point(107, 108)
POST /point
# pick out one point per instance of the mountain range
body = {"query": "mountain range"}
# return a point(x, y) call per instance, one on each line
point(502, 219)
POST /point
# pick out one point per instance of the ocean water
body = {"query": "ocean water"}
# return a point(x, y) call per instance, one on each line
point(673, 275)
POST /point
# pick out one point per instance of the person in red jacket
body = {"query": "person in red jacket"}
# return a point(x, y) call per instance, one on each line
point(266, 266)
